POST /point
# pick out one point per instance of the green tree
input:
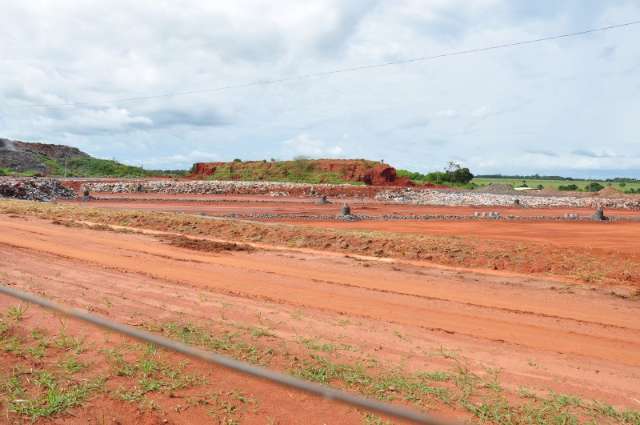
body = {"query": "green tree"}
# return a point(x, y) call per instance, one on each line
point(594, 187)
point(457, 174)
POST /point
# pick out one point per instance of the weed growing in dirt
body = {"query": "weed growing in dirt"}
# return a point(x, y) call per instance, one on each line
point(388, 386)
point(228, 408)
point(150, 374)
point(226, 342)
point(16, 313)
point(260, 332)
point(315, 345)
point(67, 342)
point(44, 394)
point(371, 419)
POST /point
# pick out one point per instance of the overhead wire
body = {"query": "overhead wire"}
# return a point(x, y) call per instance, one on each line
point(343, 70)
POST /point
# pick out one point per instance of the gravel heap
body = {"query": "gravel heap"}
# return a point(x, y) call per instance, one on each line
point(34, 189)
point(498, 189)
point(455, 198)
point(213, 187)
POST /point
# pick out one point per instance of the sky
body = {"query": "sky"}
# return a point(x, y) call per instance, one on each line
point(568, 107)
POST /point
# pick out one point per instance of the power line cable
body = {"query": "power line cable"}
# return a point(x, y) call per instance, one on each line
point(345, 70)
point(229, 363)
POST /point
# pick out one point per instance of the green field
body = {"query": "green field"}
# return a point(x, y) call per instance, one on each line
point(554, 184)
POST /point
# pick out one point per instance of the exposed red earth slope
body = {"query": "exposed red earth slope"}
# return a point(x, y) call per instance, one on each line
point(352, 170)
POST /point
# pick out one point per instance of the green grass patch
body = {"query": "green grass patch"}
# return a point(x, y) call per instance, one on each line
point(44, 395)
point(580, 184)
point(225, 342)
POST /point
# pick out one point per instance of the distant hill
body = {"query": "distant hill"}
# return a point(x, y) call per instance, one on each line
point(303, 170)
point(42, 159)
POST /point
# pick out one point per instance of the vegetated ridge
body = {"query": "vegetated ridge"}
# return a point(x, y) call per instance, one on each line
point(359, 171)
point(43, 159)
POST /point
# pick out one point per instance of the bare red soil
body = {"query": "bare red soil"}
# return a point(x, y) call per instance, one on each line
point(219, 205)
point(582, 341)
point(541, 332)
point(613, 237)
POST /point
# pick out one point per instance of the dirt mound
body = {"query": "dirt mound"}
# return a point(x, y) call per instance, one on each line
point(308, 171)
point(610, 192)
point(49, 150)
point(21, 156)
point(205, 245)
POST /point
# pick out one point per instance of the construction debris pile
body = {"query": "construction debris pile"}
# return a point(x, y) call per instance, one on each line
point(458, 198)
point(34, 189)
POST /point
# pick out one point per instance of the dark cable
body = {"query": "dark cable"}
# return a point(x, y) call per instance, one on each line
point(229, 363)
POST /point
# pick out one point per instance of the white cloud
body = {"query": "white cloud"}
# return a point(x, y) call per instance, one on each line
point(481, 112)
point(303, 144)
point(448, 113)
point(180, 160)
point(563, 96)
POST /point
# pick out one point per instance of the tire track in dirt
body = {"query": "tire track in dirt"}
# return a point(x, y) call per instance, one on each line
point(242, 280)
point(415, 288)
point(161, 300)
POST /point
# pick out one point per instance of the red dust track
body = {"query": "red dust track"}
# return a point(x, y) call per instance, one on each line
point(583, 341)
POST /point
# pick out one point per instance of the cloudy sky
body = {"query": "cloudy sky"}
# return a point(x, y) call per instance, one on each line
point(569, 107)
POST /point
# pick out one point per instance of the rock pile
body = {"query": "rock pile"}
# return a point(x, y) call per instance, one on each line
point(217, 187)
point(498, 189)
point(34, 189)
point(458, 198)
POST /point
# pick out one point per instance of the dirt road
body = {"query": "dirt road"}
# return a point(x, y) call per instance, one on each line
point(541, 333)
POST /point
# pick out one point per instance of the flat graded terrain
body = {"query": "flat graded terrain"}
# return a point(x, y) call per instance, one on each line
point(612, 237)
point(460, 340)
point(220, 205)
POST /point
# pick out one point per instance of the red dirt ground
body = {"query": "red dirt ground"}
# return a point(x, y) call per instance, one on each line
point(617, 237)
point(577, 340)
point(218, 205)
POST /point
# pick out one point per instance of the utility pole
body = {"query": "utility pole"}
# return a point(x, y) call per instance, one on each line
point(65, 167)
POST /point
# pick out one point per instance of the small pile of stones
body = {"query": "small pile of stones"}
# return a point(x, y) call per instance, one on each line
point(487, 214)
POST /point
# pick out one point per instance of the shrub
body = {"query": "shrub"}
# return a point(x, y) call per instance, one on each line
point(594, 187)
point(568, 187)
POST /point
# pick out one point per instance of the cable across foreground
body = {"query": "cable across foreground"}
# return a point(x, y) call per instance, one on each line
point(282, 379)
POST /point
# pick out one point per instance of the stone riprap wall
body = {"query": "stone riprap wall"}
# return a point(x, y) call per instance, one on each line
point(407, 195)
point(470, 198)
point(225, 187)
